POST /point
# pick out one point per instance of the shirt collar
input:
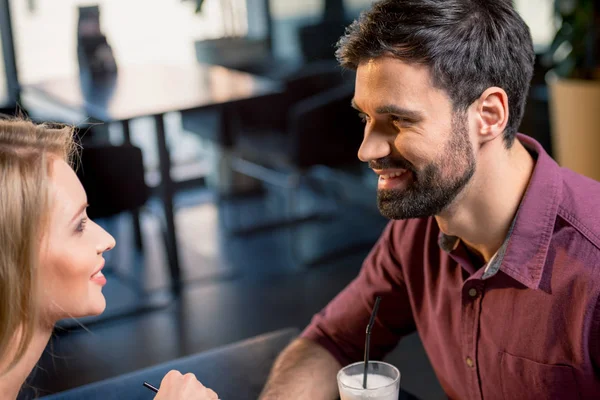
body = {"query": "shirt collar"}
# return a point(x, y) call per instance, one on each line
point(523, 253)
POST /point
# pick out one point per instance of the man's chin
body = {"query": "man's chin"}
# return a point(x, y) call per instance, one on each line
point(405, 208)
point(392, 209)
point(389, 215)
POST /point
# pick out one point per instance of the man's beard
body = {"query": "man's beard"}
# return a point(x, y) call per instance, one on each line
point(431, 189)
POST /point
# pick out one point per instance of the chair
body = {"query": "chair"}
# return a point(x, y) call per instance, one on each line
point(106, 170)
point(279, 138)
point(322, 132)
point(113, 178)
point(271, 112)
point(313, 127)
point(240, 53)
point(262, 131)
point(317, 41)
point(12, 110)
point(264, 114)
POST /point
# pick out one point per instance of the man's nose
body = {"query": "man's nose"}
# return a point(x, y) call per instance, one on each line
point(374, 146)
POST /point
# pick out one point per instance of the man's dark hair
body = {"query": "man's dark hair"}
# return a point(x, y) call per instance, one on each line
point(468, 45)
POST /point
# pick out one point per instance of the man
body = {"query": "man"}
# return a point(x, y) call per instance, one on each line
point(493, 252)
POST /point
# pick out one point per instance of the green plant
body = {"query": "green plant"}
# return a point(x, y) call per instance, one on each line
point(575, 50)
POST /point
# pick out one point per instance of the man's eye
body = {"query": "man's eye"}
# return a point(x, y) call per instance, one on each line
point(396, 120)
point(363, 117)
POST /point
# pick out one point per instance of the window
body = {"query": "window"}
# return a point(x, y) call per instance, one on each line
point(539, 15)
point(140, 31)
point(3, 87)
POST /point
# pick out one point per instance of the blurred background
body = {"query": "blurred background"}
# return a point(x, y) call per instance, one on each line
point(219, 149)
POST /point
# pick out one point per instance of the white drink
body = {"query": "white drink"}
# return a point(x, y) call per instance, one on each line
point(379, 387)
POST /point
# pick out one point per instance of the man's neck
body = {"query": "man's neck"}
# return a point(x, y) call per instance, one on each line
point(11, 382)
point(481, 216)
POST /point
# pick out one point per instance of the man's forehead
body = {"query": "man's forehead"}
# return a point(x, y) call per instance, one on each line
point(389, 80)
point(393, 69)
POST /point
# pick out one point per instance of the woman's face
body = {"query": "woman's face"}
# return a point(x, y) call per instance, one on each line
point(70, 277)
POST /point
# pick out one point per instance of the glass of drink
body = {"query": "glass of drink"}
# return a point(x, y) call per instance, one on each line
point(383, 381)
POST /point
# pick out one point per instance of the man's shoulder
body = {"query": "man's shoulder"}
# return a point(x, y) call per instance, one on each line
point(579, 205)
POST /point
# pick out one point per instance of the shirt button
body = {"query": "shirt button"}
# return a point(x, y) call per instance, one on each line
point(469, 362)
point(473, 292)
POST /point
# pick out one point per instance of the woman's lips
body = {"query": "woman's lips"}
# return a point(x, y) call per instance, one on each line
point(98, 277)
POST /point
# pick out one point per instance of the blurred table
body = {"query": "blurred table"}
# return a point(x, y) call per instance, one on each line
point(153, 91)
point(236, 372)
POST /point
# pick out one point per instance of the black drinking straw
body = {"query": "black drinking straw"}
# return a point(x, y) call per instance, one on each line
point(149, 386)
point(368, 339)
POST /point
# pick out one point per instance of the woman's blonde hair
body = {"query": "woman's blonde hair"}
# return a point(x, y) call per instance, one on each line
point(26, 151)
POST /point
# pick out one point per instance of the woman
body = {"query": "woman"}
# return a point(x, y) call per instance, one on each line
point(51, 254)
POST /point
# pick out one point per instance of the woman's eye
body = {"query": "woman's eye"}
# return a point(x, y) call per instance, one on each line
point(81, 225)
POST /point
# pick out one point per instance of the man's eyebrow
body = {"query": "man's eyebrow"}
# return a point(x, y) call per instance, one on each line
point(404, 112)
point(393, 109)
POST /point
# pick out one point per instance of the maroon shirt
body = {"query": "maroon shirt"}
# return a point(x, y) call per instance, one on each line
point(526, 327)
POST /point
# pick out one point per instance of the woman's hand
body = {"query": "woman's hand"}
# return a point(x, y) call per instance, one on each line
point(175, 386)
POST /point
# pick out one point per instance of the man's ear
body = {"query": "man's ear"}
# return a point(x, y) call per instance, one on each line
point(491, 114)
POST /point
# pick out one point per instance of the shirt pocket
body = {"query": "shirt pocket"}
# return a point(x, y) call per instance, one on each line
point(526, 379)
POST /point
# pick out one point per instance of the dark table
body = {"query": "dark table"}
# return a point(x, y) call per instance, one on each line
point(236, 372)
point(153, 91)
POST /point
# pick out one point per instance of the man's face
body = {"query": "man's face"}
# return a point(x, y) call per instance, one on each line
point(414, 141)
